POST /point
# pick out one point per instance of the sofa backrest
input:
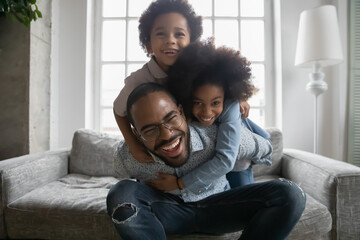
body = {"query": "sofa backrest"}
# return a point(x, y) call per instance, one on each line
point(277, 144)
point(92, 153)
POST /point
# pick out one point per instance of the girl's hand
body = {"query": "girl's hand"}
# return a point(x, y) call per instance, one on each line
point(244, 109)
point(165, 182)
point(139, 152)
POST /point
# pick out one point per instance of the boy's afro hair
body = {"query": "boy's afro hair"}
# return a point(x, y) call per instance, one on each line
point(160, 7)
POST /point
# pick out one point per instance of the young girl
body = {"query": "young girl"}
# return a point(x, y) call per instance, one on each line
point(208, 82)
point(165, 28)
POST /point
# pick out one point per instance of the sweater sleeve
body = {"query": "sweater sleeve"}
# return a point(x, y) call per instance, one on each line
point(227, 147)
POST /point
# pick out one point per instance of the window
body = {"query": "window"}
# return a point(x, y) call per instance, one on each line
point(241, 24)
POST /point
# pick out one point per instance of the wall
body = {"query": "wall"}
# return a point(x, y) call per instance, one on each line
point(39, 99)
point(25, 85)
point(68, 70)
point(14, 88)
point(298, 104)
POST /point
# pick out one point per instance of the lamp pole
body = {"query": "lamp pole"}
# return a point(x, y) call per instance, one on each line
point(316, 86)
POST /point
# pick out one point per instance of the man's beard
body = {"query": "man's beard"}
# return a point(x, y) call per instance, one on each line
point(177, 164)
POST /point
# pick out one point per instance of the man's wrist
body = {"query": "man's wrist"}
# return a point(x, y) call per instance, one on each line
point(180, 183)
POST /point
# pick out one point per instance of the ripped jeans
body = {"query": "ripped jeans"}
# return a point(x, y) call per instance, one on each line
point(266, 210)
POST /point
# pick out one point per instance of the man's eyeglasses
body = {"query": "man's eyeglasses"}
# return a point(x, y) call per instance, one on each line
point(152, 132)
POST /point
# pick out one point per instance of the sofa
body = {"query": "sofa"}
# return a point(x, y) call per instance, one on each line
point(61, 194)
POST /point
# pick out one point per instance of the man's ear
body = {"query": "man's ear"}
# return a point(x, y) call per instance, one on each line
point(180, 109)
point(136, 133)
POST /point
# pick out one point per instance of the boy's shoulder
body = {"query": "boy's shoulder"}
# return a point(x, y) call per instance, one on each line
point(149, 72)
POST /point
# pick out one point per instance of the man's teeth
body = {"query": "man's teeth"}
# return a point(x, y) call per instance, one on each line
point(172, 145)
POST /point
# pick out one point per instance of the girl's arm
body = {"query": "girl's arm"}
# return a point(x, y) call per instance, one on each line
point(137, 149)
point(227, 147)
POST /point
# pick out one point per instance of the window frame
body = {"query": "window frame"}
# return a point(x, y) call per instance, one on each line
point(269, 58)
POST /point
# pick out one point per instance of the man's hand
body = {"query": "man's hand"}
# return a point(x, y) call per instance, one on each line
point(165, 182)
point(244, 109)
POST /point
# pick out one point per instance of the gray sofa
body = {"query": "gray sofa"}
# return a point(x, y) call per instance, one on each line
point(61, 194)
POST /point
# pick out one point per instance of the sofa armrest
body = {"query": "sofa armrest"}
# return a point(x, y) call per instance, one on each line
point(334, 183)
point(21, 175)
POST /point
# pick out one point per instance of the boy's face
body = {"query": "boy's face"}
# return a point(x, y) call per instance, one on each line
point(208, 101)
point(169, 35)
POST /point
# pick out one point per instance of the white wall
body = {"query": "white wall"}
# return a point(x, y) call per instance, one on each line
point(298, 104)
point(68, 70)
point(69, 74)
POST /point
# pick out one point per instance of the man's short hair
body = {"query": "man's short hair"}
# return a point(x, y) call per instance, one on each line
point(141, 91)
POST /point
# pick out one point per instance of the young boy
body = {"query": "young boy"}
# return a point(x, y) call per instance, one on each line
point(165, 27)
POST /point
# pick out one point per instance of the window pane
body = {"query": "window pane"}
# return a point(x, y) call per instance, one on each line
point(135, 51)
point(114, 8)
point(258, 73)
point(112, 81)
point(137, 7)
point(257, 116)
point(227, 33)
point(229, 9)
point(108, 123)
point(207, 29)
point(252, 8)
point(134, 67)
point(202, 7)
point(258, 99)
point(113, 40)
point(252, 39)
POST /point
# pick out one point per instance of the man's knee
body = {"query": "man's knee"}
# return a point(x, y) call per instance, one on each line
point(119, 193)
point(124, 212)
point(293, 194)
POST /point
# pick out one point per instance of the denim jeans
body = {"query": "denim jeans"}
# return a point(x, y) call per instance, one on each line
point(240, 178)
point(267, 210)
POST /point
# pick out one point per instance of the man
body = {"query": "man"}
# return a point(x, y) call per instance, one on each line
point(264, 210)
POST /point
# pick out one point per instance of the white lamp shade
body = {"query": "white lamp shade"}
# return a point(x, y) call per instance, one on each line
point(318, 38)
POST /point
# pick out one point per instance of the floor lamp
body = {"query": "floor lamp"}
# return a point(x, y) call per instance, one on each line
point(318, 45)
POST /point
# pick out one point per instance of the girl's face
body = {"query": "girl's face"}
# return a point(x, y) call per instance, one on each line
point(208, 101)
point(169, 35)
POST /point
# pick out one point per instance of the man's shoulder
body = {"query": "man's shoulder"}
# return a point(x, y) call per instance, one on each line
point(125, 163)
point(205, 135)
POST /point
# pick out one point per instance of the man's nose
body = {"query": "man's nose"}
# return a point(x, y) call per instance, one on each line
point(165, 132)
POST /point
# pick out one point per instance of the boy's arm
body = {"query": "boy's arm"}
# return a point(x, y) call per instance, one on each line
point(137, 149)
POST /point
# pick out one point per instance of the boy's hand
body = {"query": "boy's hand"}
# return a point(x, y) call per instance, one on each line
point(244, 109)
point(139, 152)
point(165, 182)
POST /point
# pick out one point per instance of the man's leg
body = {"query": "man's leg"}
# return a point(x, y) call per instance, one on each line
point(141, 212)
point(266, 210)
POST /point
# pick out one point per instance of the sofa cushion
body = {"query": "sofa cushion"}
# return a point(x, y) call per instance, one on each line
point(92, 153)
point(73, 207)
point(315, 221)
point(277, 144)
